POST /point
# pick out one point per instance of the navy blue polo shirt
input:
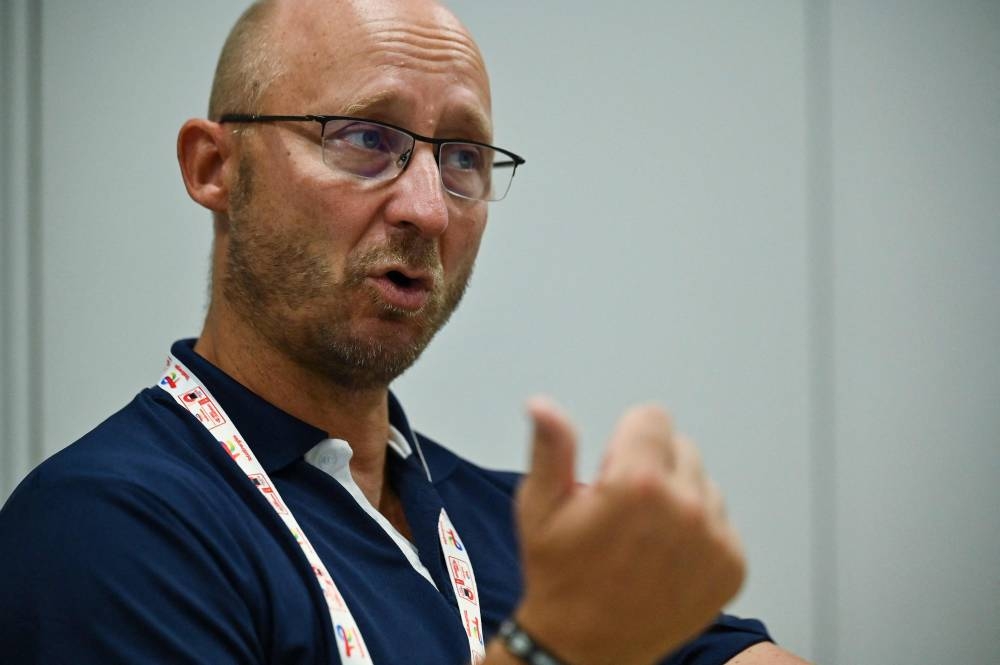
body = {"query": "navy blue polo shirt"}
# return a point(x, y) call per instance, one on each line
point(144, 543)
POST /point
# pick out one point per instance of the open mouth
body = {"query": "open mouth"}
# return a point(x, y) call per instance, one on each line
point(401, 280)
point(404, 291)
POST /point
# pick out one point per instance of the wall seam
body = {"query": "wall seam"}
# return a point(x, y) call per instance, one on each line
point(21, 290)
point(6, 239)
point(819, 109)
point(35, 238)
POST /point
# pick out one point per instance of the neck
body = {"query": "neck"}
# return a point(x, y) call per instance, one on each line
point(360, 417)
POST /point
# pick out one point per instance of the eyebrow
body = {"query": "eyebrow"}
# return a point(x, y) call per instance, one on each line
point(382, 103)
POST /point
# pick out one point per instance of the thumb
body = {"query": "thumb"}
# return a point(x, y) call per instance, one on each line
point(553, 457)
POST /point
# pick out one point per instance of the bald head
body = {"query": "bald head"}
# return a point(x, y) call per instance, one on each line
point(274, 37)
point(247, 65)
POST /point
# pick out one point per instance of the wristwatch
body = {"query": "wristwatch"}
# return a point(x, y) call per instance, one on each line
point(525, 647)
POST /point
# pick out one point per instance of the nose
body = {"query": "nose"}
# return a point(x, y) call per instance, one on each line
point(418, 198)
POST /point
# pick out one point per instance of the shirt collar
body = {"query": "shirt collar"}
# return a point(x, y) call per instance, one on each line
point(276, 437)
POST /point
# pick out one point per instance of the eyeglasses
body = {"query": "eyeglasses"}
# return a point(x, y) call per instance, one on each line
point(379, 151)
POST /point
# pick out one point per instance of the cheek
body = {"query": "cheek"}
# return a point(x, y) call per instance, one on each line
point(335, 221)
point(298, 200)
point(460, 244)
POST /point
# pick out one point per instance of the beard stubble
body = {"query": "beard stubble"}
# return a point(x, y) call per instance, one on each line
point(281, 284)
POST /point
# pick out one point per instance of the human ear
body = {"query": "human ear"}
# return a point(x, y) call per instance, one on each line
point(203, 151)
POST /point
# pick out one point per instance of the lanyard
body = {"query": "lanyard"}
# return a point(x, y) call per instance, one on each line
point(182, 384)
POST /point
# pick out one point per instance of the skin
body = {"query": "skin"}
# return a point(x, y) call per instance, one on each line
point(301, 314)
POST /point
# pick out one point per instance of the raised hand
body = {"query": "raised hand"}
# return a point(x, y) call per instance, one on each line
point(627, 569)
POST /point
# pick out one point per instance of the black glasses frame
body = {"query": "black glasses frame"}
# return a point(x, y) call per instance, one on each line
point(514, 160)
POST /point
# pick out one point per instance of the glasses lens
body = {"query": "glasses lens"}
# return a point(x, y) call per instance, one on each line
point(364, 149)
point(475, 172)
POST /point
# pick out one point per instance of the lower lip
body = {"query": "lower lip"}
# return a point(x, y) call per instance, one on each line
point(409, 298)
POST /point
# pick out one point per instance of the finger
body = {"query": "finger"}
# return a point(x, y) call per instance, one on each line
point(688, 466)
point(689, 478)
point(642, 441)
point(553, 457)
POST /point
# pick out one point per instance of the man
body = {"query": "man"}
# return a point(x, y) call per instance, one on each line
point(323, 529)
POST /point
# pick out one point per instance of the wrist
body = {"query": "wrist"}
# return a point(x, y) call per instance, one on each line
point(521, 644)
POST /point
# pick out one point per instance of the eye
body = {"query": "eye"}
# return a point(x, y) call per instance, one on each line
point(464, 157)
point(364, 148)
point(368, 137)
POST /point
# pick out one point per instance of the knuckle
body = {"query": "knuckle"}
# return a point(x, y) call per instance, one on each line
point(692, 512)
point(646, 484)
point(638, 484)
point(642, 489)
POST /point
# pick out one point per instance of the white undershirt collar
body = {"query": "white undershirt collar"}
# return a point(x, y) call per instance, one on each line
point(333, 457)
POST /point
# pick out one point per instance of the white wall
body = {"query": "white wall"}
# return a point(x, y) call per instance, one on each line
point(776, 218)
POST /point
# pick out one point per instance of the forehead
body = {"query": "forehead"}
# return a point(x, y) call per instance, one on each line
point(409, 60)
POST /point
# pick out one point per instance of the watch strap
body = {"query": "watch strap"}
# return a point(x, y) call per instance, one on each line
point(524, 646)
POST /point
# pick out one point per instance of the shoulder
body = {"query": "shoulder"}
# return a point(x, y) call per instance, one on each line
point(131, 523)
point(724, 639)
point(144, 468)
point(149, 446)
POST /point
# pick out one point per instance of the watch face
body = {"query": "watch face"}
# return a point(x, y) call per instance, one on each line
point(519, 644)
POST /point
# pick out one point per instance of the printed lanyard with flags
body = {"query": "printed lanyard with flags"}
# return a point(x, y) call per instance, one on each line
point(463, 583)
point(182, 384)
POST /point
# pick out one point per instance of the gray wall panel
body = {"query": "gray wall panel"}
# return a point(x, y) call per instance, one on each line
point(917, 241)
